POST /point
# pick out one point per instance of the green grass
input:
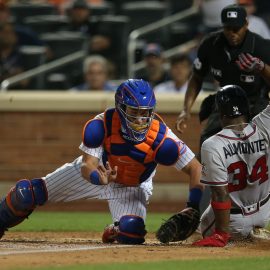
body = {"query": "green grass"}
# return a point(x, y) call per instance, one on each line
point(78, 221)
point(260, 263)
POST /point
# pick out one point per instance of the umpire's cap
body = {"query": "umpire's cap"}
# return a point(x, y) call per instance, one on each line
point(234, 16)
point(232, 101)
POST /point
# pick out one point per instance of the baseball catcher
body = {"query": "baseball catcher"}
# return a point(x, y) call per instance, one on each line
point(121, 149)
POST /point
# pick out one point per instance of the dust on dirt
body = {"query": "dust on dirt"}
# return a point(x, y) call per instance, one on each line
point(36, 249)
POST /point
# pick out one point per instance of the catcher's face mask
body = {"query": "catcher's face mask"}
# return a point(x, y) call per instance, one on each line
point(135, 102)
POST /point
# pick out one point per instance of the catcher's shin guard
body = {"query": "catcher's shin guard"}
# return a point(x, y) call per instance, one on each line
point(20, 202)
point(131, 230)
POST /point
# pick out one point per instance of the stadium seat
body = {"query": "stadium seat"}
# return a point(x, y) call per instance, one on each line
point(57, 81)
point(46, 23)
point(118, 29)
point(34, 56)
point(185, 30)
point(143, 13)
point(21, 11)
point(102, 9)
point(63, 43)
point(98, 9)
point(119, 3)
point(179, 5)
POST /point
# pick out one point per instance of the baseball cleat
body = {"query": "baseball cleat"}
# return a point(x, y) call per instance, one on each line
point(110, 233)
point(260, 233)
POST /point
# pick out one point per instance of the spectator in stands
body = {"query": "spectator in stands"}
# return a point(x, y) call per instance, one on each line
point(79, 14)
point(154, 72)
point(255, 23)
point(25, 35)
point(180, 70)
point(10, 57)
point(95, 69)
point(4, 13)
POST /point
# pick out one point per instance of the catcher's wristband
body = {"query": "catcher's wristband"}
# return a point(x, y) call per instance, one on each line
point(194, 198)
point(94, 178)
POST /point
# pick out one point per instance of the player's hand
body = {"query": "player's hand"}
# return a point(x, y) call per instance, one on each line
point(181, 122)
point(107, 174)
point(112, 172)
point(249, 63)
point(217, 239)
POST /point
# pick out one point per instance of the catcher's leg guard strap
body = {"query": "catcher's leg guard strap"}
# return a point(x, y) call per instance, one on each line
point(131, 230)
point(21, 201)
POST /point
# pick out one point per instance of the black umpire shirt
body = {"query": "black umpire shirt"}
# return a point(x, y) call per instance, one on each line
point(217, 57)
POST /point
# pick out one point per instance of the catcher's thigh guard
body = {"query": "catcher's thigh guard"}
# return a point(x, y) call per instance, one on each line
point(21, 201)
point(131, 230)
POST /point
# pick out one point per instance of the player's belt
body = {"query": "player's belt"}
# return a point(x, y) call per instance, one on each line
point(248, 210)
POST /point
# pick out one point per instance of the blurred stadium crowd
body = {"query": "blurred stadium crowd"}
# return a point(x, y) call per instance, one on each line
point(33, 33)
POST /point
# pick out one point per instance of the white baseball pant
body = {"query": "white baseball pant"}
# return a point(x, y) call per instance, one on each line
point(66, 184)
point(240, 225)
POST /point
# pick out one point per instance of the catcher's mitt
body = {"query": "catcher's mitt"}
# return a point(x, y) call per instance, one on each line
point(179, 226)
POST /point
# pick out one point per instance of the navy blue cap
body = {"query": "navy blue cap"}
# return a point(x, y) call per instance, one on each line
point(152, 49)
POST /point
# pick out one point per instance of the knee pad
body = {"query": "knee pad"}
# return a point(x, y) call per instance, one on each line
point(21, 201)
point(26, 195)
point(131, 230)
point(40, 191)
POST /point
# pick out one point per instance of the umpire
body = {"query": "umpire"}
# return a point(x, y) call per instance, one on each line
point(233, 55)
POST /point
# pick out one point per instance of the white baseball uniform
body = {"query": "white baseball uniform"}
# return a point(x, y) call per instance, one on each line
point(66, 184)
point(241, 161)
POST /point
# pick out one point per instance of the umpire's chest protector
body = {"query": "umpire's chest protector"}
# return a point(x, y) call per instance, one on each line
point(135, 162)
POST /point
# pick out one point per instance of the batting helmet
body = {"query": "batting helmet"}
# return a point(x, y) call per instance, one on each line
point(231, 101)
point(135, 102)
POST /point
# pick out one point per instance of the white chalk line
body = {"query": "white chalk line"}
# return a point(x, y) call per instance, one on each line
point(57, 249)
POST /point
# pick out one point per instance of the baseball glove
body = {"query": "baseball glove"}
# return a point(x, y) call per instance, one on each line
point(179, 226)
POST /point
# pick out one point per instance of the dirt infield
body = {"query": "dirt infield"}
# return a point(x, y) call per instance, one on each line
point(58, 249)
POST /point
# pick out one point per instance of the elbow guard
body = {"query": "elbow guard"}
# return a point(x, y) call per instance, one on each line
point(93, 133)
point(168, 153)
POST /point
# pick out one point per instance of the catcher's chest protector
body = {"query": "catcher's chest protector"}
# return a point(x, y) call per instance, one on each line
point(135, 162)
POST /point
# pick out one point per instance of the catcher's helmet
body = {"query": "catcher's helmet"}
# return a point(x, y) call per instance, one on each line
point(231, 101)
point(135, 102)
